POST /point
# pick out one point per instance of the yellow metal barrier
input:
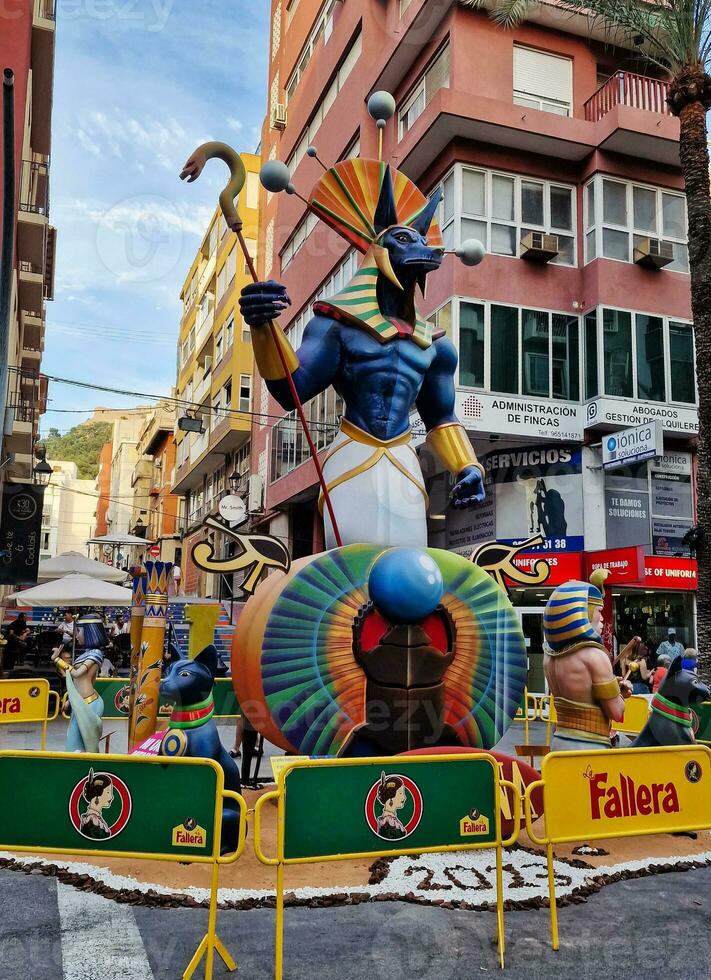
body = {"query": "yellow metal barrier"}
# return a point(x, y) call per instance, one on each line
point(637, 709)
point(619, 793)
point(460, 796)
point(531, 713)
point(26, 701)
point(159, 806)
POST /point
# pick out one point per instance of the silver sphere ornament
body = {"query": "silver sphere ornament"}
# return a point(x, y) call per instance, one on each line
point(275, 176)
point(470, 252)
point(381, 105)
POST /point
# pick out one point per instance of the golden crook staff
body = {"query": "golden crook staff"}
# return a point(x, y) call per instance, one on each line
point(238, 175)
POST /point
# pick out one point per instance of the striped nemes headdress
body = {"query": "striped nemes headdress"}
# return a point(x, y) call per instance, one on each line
point(93, 631)
point(567, 617)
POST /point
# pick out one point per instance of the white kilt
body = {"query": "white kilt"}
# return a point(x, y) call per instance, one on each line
point(376, 488)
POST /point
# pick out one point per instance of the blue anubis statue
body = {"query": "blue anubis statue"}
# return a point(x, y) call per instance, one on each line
point(192, 730)
point(382, 358)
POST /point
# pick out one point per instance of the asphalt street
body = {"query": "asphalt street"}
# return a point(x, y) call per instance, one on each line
point(649, 927)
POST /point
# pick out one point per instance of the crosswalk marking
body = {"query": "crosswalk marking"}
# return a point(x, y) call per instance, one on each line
point(100, 939)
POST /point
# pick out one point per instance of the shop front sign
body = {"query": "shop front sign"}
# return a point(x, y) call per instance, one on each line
point(630, 566)
point(538, 418)
point(611, 413)
point(632, 445)
point(625, 565)
point(531, 490)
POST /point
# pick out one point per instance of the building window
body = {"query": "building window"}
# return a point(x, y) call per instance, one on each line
point(323, 28)
point(252, 252)
point(218, 347)
point(620, 215)
point(289, 446)
point(434, 78)
point(307, 137)
point(591, 383)
point(297, 239)
point(352, 150)
point(471, 344)
point(229, 333)
point(499, 209)
point(646, 357)
point(542, 81)
point(493, 340)
point(681, 362)
point(246, 334)
point(227, 396)
point(245, 392)
point(340, 277)
point(252, 191)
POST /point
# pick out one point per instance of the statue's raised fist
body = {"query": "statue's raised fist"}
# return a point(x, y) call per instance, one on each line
point(261, 302)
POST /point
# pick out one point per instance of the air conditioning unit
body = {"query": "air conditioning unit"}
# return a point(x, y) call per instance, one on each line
point(536, 246)
point(255, 495)
point(654, 253)
point(278, 120)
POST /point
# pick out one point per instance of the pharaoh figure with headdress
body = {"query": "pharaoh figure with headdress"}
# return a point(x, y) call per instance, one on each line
point(380, 355)
point(586, 694)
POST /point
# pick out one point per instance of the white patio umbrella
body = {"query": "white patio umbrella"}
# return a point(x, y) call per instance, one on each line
point(116, 540)
point(73, 563)
point(74, 590)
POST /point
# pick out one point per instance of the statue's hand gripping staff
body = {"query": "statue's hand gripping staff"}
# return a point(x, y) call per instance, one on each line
point(287, 360)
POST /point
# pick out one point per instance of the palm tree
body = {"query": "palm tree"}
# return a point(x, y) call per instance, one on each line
point(676, 36)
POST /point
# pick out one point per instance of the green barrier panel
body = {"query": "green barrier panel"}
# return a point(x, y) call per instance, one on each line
point(703, 716)
point(137, 807)
point(122, 806)
point(114, 691)
point(334, 810)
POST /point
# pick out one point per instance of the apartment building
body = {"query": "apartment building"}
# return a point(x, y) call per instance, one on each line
point(153, 480)
point(214, 380)
point(125, 512)
point(27, 47)
point(557, 151)
point(68, 512)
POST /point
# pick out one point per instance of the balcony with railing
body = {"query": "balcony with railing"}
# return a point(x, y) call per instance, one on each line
point(46, 9)
point(626, 88)
point(34, 186)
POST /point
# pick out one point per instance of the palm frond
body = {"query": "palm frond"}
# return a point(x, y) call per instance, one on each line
point(671, 34)
point(508, 13)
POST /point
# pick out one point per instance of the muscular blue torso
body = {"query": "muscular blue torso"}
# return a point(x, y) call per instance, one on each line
point(379, 382)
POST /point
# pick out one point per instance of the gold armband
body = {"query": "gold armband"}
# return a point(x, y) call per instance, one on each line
point(451, 444)
point(266, 353)
point(62, 666)
point(607, 691)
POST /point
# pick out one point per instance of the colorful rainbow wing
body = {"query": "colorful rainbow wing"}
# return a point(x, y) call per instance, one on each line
point(485, 682)
point(312, 683)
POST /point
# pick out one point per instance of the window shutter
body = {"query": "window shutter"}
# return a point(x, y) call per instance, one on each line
point(547, 76)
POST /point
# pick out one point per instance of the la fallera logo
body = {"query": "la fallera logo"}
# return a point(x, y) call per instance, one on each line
point(189, 834)
point(626, 798)
point(475, 824)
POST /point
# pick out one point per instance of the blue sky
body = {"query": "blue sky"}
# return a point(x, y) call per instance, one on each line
point(138, 84)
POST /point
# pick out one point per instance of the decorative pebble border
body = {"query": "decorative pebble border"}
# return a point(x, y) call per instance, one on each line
point(456, 880)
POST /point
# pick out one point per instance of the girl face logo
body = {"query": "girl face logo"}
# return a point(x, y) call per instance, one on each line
point(393, 807)
point(100, 806)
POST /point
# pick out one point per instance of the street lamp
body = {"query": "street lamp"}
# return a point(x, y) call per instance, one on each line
point(234, 481)
point(42, 471)
point(138, 527)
